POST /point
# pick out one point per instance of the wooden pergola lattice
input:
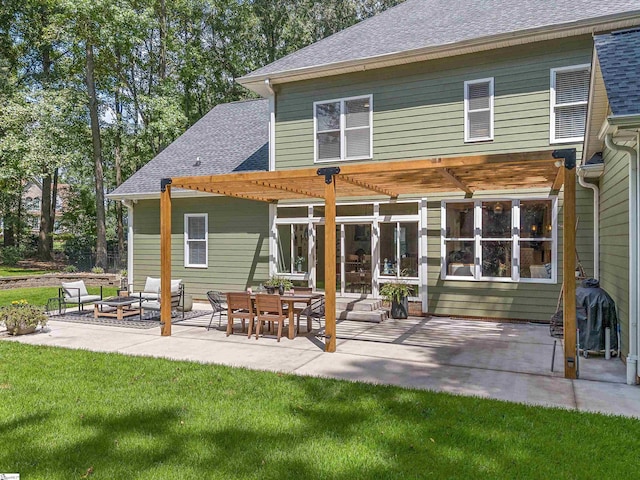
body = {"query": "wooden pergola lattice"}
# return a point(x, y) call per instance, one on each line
point(469, 174)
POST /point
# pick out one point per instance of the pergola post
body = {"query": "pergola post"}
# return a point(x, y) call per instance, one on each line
point(330, 255)
point(165, 256)
point(569, 262)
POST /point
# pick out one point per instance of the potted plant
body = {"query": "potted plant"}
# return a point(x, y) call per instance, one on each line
point(299, 263)
point(21, 318)
point(397, 294)
point(278, 283)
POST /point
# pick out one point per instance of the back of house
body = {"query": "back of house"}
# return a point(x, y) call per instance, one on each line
point(426, 79)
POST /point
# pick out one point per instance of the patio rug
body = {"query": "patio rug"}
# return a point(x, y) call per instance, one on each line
point(149, 319)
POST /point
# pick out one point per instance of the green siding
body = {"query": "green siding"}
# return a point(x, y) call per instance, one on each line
point(238, 244)
point(614, 236)
point(526, 301)
point(418, 108)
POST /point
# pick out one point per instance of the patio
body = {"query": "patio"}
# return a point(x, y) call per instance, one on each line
point(505, 361)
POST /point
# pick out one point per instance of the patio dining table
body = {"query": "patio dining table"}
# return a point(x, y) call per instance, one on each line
point(289, 299)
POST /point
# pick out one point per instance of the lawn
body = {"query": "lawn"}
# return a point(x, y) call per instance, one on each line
point(40, 295)
point(76, 414)
point(6, 271)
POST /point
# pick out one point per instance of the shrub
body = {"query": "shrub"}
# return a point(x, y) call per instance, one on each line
point(11, 255)
point(22, 316)
point(97, 270)
point(70, 269)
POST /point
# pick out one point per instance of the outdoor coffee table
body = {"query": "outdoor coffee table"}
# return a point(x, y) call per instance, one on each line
point(118, 307)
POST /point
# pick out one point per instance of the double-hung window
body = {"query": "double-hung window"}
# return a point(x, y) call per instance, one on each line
point(478, 110)
point(569, 96)
point(196, 240)
point(343, 129)
point(500, 240)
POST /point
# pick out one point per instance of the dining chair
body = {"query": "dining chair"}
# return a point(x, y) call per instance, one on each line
point(239, 306)
point(298, 308)
point(315, 310)
point(269, 309)
point(217, 305)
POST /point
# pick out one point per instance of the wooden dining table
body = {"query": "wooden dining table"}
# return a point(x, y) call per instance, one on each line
point(289, 299)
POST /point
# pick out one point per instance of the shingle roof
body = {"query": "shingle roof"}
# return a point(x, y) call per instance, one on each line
point(232, 137)
point(418, 24)
point(619, 57)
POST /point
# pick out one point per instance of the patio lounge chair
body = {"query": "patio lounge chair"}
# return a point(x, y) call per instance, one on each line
point(75, 293)
point(218, 305)
point(151, 290)
point(177, 300)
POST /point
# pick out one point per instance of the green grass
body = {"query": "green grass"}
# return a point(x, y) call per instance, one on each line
point(64, 412)
point(6, 271)
point(40, 295)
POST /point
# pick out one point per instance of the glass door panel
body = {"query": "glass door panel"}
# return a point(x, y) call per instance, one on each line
point(320, 259)
point(357, 259)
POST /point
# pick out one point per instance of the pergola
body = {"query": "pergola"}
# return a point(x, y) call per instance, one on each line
point(469, 174)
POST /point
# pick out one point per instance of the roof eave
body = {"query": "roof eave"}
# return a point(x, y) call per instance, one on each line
point(256, 83)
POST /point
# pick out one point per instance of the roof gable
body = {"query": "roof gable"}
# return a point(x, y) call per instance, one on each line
point(232, 137)
point(619, 58)
point(416, 25)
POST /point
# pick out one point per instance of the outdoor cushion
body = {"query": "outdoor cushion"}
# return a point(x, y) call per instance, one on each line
point(73, 289)
point(151, 305)
point(152, 285)
point(147, 295)
point(83, 299)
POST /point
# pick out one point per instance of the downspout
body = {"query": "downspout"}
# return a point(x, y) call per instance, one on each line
point(129, 205)
point(272, 125)
point(596, 220)
point(632, 358)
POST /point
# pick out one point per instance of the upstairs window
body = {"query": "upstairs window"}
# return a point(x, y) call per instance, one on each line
point(343, 129)
point(478, 110)
point(196, 240)
point(569, 95)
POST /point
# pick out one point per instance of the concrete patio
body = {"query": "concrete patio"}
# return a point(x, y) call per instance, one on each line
point(504, 361)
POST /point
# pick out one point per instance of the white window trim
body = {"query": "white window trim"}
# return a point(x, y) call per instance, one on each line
point(467, 83)
point(515, 223)
point(187, 216)
point(552, 103)
point(343, 156)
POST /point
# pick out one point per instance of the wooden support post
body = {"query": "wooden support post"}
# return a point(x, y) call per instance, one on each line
point(165, 256)
point(330, 255)
point(569, 262)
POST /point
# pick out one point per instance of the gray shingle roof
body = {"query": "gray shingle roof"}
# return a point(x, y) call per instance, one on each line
point(619, 57)
point(232, 137)
point(417, 24)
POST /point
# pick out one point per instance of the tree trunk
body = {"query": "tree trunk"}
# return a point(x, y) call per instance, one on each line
point(118, 161)
point(101, 229)
point(54, 200)
point(44, 250)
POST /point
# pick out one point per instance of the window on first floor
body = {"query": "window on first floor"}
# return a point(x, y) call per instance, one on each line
point(399, 249)
point(196, 233)
point(504, 239)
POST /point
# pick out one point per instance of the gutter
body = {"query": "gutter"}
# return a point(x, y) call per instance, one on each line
point(583, 27)
point(634, 231)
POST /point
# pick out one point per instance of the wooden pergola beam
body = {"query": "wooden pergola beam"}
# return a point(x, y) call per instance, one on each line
point(289, 189)
point(504, 159)
point(450, 176)
point(559, 180)
point(227, 193)
point(368, 186)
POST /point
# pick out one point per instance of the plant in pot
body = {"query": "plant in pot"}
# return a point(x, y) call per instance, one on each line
point(397, 294)
point(278, 283)
point(21, 318)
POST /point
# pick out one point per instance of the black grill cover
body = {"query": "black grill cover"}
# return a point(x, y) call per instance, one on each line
point(595, 311)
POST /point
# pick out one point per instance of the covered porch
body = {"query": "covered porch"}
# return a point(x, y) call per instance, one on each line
point(469, 174)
